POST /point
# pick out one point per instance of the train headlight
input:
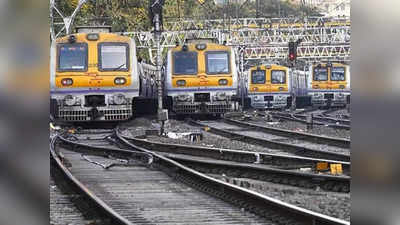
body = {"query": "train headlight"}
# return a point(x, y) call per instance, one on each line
point(341, 86)
point(69, 100)
point(201, 47)
point(223, 82)
point(67, 82)
point(181, 83)
point(317, 95)
point(92, 37)
point(183, 98)
point(281, 88)
point(255, 88)
point(221, 96)
point(119, 81)
point(119, 99)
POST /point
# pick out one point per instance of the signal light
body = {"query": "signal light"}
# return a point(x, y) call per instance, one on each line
point(292, 51)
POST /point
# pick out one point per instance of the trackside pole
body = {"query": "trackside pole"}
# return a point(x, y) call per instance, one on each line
point(156, 9)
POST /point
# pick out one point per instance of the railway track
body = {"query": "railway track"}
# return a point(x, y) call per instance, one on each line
point(143, 193)
point(319, 139)
point(62, 209)
point(296, 147)
point(317, 120)
point(255, 170)
point(278, 161)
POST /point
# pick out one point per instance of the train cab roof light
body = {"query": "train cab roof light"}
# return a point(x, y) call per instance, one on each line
point(329, 64)
point(72, 39)
point(185, 48)
point(225, 42)
point(201, 46)
point(92, 37)
point(268, 66)
point(176, 43)
point(258, 68)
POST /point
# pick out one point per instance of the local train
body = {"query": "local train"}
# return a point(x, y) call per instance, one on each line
point(276, 86)
point(95, 76)
point(200, 77)
point(269, 86)
point(329, 84)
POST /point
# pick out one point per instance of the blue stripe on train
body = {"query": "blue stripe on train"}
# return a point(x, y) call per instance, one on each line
point(205, 89)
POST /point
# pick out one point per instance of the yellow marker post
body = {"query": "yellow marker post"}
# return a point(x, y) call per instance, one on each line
point(336, 169)
point(322, 166)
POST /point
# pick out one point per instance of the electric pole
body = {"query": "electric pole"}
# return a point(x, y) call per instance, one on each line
point(156, 16)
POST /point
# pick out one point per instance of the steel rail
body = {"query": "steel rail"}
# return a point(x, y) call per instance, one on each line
point(294, 149)
point(277, 160)
point(265, 173)
point(253, 201)
point(101, 205)
point(296, 119)
point(339, 142)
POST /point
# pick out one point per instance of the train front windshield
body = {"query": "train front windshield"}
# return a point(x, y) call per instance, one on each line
point(338, 74)
point(320, 74)
point(72, 57)
point(114, 56)
point(258, 77)
point(217, 62)
point(185, 63)
point(278, 77)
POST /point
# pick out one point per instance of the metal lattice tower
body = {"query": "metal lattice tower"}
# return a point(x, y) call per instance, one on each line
point(62, 24)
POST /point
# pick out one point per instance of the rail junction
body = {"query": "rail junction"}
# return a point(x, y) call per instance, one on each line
point(132, 175)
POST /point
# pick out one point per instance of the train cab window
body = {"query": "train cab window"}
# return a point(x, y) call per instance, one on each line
point(113, 57)
point(185, 62)
point(278, 77)
point(258, 77)
point(217, 62)
point(338, 74)
point(320, 74)
point(72, 57)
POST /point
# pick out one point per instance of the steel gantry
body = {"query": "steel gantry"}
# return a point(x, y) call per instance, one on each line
point(249, 36)
point(239, 23)
point(265, 38)
point(322, 38)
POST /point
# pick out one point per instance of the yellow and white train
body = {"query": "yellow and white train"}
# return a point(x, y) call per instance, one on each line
point(94, 75)
point(329, 84)
point(200, 77)
point(275, 86)
point(269, 86)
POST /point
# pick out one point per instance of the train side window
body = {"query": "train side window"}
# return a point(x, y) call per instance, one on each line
point(185, 62)
point(320, 74)
point(258, 77)
point(113, 56)
point(338, 74)
point(217, 62)
point(278, 77)
point(72, 57)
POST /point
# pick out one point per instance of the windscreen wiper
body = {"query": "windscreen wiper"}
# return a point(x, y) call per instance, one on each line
point(119, 67)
